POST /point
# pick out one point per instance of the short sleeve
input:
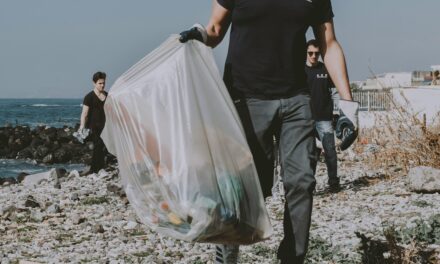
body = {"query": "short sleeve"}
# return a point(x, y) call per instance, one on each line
point(324, 12)
point(87, 100)
point(228, 4)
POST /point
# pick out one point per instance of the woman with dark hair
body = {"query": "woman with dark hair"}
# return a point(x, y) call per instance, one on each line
point(93, 118)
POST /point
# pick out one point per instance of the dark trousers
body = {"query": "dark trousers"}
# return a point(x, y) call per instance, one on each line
point(99, 153)
point(290, 121)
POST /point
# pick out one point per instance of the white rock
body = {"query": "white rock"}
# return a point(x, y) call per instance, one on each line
point(73, 174)
point(102, 173)
point(74, 196)
point(424, 179)
point(131, 225)
point(36, 216)
point(77, 219)
point(53, 209)
point(35, 179)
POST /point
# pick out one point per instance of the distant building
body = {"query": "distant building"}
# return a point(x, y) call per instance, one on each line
point(435, 67)
point(388, 80)
point(400, 79)
point(421, 78)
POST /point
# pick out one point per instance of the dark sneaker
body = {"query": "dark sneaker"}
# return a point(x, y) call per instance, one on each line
point(334, 187)
point(226, 254)
point(294, 260)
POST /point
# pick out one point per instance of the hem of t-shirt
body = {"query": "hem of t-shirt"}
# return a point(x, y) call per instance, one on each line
point(322, 118)
point(304, 91)
point(328, 19)
point(225, 5)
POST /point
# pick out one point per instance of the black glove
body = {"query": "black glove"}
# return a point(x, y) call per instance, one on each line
point(347, 124)
point(197, 32)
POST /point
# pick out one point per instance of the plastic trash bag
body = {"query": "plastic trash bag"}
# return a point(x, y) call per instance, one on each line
point(183, 158)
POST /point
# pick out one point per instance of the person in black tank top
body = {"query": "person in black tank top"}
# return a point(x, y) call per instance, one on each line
point(265, 76)
point(93, 118)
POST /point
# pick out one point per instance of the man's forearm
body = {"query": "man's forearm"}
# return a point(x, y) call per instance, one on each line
point(216, 33)
point(335, 63)
point(218, 24)
point(214, 36)
point(83, 121)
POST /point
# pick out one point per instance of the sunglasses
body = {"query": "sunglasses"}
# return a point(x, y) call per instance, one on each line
point(313, 52)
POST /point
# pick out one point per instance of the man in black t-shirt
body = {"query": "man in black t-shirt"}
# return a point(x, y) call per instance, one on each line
point(320, 85)
point(265, 75)
point(93, 118)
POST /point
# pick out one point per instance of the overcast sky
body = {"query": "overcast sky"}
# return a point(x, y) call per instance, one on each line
point(50, 48)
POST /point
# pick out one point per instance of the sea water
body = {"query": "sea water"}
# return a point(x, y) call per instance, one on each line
point(32, 113)
point(11, 168)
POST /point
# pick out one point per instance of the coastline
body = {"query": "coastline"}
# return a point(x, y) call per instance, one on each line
point(42, 146)
point(35, 112)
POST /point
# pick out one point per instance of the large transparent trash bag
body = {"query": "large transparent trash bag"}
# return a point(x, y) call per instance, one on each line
point(183, 157)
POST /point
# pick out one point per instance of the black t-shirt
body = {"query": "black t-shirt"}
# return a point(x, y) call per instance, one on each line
point(320, 85)
point(96, 116)
point(267, 48)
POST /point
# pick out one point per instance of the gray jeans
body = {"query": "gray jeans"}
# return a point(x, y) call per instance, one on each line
point(290, 121)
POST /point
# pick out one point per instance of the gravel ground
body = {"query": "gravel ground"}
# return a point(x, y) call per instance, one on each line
point(88, 221)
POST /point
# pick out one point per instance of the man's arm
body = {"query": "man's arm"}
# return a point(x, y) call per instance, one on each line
point(333, 57)
point(218, 24)
point(84, 113)
point(214, 32)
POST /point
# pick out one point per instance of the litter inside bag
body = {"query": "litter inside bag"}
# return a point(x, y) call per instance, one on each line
point(182, 153)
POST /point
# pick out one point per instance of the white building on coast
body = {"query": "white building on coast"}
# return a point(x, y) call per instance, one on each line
point(381, 94)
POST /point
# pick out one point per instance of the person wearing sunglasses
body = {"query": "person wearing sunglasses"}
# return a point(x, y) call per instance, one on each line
point(320, 85)
point(264, 73)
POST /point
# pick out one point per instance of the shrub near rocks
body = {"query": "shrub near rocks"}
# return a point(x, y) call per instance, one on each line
point(95, 200)
point(402, 140)
point(410, 244)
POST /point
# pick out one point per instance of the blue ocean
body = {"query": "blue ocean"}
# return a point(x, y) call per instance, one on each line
point(32, 113)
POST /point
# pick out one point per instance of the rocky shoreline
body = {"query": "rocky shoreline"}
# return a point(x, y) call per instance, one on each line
point(43, 144)
point(72, 219)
